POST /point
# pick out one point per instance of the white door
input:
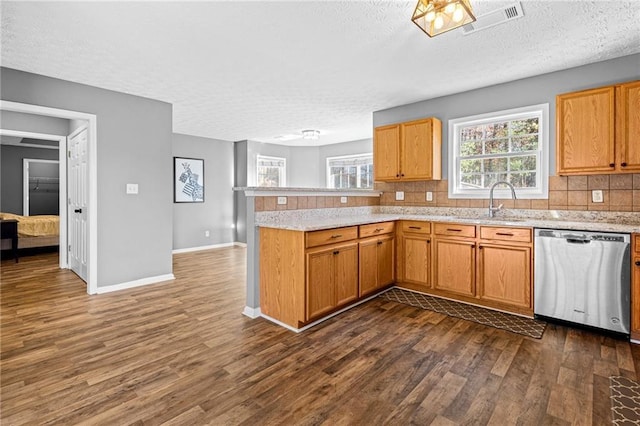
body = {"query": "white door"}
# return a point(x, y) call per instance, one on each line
point(77, 158)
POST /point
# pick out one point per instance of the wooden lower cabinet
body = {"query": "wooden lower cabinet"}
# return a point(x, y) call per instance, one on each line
point(635, 288)
point(377, 263)
point(332, 278)
point(454, 264)
point(416, 268)
point(504, 274)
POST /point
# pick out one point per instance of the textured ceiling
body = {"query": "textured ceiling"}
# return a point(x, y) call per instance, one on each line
point(257, 70)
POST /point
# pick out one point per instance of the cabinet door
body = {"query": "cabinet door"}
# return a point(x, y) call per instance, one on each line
point(386, 261)
point(345, 267)
point(368, 266)
point(505, 274)
point(416, 150)
point(386, 153)
point(454, 266)
point(415, 252)
point(585, 132)
point(628, 126)
point(321, 295)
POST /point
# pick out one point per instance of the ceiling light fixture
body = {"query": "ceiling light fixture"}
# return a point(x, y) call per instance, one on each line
point(311, 134)
point(435, 17)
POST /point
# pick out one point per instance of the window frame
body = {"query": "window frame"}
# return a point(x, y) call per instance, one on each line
point(541, 191)
point(282, 178)
point(358, 174)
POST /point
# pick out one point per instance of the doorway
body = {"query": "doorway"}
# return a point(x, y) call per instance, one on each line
point(91, 181)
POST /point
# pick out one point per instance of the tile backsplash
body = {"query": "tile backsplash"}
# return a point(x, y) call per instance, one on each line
point(621, 192)
point(266, 204)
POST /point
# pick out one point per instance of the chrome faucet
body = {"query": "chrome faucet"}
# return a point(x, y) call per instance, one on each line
point(493, 210)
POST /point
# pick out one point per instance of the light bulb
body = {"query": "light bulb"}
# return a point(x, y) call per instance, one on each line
point(430, 16)
point(450, 8)
point(458, 14)
point(438, 23)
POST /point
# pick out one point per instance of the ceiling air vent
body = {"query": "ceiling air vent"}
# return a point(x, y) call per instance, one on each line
point(493, 18)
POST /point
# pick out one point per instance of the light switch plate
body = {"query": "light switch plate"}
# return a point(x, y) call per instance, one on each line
point(596, 196)
point(429, 196)
point(282, 200)
point(132, 188)
point(343, 200)
point(399, 195)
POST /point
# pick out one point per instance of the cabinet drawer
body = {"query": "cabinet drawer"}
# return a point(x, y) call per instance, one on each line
point(416, 227)
point(522, 235)
point(636, 237)
point(328, 236)
point(455, 230)
point(374, 229)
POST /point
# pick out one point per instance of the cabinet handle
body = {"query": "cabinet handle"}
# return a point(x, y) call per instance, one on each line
point(454, 230)
point(623, 164)
point(398, 175)
point(506, 234)
point(415, 227)
point(378, 229)
point(402, 174)
point(637, 262)
point(474, 246)
point(336, 252)
point(336, 236)
point(612, 164)
point(379, 243)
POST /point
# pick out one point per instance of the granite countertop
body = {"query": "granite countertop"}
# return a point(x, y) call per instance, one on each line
point(317, 219)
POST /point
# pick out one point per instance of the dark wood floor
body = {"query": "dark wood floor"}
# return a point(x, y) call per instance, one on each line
point(182, 353)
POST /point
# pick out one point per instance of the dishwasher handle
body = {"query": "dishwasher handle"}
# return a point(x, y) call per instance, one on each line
point(578, 240)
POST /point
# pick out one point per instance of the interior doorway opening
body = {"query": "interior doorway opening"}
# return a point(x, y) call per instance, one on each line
point(89, 122)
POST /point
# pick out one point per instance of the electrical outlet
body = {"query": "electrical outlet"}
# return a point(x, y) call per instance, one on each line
point(596, 196)
point(282, 200)
point(132, 188)
point(429, 196)
point(207, 233)
point(343, 200)
point(399, 195)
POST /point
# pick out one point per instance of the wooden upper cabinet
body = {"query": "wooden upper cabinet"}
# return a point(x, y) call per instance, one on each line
point(597, 130)
point(386, 153)
point(408, 151)
point(420, 150)
point(585, 139)
point(628, 126)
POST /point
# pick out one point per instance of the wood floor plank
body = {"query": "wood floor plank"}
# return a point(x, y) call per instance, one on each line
point(182, 353)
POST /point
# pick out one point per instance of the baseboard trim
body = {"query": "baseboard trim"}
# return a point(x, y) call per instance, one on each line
point(252, 313)
point(239, 244)
point(200, 248)
point(135, 283)
point(308, 326)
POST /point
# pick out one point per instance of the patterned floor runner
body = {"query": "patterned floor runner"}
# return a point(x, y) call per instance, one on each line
point(516, 324)
point(625, 400)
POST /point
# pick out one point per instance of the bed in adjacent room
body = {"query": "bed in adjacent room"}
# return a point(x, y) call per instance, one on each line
point(36, 231)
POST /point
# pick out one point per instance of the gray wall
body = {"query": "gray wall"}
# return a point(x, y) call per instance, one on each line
point(11, 174)
point(240, 201)
point(134, 146)
point(216, 214)
point(304, 168)
point(11, 120)
point(529, 91)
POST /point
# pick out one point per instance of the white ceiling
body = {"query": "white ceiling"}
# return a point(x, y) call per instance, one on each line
point(257, 70)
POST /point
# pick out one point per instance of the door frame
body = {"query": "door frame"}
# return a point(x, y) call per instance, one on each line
point(92, 119)
point(62, 199)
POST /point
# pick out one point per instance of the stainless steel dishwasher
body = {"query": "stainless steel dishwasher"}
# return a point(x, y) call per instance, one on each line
point(583, 277)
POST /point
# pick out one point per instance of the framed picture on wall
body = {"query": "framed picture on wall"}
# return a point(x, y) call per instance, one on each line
point(188, 180)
